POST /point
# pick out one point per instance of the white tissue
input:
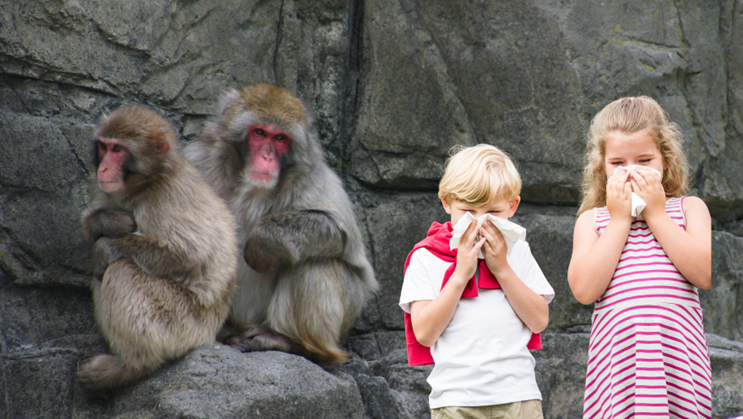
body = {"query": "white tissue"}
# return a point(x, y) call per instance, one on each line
point(512, 232)
point(638, 204)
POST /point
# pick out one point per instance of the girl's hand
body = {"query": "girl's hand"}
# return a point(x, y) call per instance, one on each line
point(469, 246)
point(619, 197)
point(495, 248)
point(647, 185)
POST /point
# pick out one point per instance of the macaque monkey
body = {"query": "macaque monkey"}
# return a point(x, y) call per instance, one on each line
point(165, 249)
point(305, 277)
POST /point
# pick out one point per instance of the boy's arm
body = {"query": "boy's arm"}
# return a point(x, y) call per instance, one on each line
point(430, 317)
point(531, 307)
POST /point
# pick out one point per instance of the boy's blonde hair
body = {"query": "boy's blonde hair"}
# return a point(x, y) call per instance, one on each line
point(479, 175)
point(630, 115)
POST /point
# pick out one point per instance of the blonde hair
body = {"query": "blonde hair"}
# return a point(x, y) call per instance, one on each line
point(479, 175)
point(630, 115)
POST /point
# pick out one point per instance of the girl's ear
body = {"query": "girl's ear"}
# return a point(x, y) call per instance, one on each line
point(514, 205)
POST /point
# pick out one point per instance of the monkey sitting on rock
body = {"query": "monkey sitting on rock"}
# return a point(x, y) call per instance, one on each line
point(305, 277)
point(165, 249)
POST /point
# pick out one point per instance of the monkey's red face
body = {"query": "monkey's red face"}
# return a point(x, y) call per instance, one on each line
point(266, 144)
point(113, 155)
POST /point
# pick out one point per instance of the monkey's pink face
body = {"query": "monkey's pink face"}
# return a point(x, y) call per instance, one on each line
point(113, 156)
point(266, 144)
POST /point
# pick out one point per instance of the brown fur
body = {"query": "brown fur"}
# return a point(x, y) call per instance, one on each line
point(305, 277)
point(164, 254)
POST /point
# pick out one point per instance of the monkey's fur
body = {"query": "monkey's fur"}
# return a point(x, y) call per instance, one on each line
point(306, 276)
point(164, 254)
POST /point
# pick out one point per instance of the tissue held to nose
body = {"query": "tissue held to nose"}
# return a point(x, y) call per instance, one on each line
point(638, 204)
point(512, 232)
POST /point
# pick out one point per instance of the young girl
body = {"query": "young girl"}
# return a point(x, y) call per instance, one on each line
point(647, 355)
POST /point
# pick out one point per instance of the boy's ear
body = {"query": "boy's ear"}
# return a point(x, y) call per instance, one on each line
point(514, 205)
point(447, 208)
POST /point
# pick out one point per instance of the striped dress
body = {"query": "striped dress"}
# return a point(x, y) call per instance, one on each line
point(647, 355)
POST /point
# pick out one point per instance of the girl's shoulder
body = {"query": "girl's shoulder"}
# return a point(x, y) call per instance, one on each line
point(692, 200)
point(586, 217)
point(586, 220)
point(693, 205)
point(587, 214)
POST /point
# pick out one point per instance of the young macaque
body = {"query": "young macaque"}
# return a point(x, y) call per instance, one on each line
point(164, 249)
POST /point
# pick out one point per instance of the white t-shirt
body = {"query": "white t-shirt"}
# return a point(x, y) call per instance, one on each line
point(481, 357)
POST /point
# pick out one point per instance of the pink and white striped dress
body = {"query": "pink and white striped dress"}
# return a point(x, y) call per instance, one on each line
point(647, 355)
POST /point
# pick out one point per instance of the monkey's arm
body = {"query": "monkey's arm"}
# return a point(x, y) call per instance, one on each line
point(292, 237)
point(113, 223)
point(153, 257)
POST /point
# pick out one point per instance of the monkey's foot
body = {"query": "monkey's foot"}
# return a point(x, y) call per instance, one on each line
point(257, 337)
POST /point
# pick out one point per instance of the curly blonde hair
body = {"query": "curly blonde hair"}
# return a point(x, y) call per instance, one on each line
point(479, 175)
point(630, 115)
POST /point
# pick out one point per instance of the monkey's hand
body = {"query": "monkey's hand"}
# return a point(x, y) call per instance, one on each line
point(292, 237)
point(113, 223)
point(262, 256)
point(105, 251)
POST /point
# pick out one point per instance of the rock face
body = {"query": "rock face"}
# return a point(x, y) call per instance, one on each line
point(392, 85)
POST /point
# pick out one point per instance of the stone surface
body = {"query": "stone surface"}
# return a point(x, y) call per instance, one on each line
point(550, 237)
point(221, 382)
point(723, 313)
point(392, 86)
point(727, 364)
point(395, 223)
point(466, 83)
point(561, 373)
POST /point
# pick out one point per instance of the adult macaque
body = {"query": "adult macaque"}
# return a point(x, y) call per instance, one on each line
point(164, 249)
point(306, 278)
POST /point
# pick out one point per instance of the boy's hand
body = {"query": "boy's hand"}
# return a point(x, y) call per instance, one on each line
point(619, 197)
point(646, 183)
point(494, 248)
point(469, 247)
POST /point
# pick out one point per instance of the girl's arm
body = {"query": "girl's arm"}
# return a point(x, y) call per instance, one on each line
point(531, 307)
point(690, 250)
point(595, 257)
point(430, 317)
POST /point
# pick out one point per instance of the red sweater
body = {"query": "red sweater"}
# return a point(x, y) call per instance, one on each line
point(437, 242)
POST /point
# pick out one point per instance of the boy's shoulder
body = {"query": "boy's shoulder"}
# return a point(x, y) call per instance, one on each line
point(425, 257)
point(520, 253)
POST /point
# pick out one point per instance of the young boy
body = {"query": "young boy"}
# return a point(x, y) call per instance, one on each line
point(477, 334)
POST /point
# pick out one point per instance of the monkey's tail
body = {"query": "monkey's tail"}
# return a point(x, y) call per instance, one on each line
point(319, 354)
point(105, 372)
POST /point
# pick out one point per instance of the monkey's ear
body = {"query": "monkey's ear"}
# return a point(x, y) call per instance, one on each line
point(161, 143)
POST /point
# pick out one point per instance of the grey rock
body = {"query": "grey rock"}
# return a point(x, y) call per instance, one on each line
point(42, 316)
point(561, 373)
point(41, 240)
point(396, 223)
point(723, 314)
point(407, 384)
point(550, 238)
point(221, 382)
point(379, 400)
point(373, 346)
point(468, 79)
point(726, 357)
point(38, 383)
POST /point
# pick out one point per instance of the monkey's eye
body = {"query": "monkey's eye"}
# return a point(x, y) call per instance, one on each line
point(259, 132)
point(116, 148)
point(279, 138)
